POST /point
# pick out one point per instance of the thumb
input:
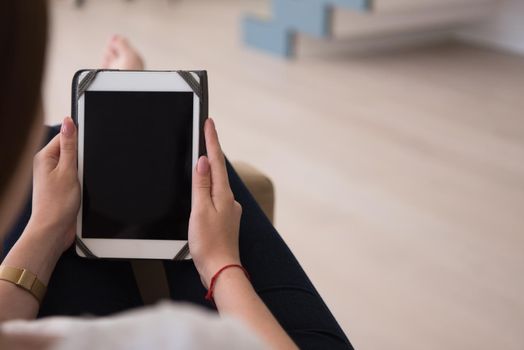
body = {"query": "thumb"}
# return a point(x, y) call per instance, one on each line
point(68, 143)
point(202, 183)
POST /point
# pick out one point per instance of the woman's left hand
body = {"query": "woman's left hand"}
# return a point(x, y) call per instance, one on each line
point(56, 190)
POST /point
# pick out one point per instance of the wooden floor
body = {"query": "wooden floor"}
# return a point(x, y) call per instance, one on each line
point(399, 175)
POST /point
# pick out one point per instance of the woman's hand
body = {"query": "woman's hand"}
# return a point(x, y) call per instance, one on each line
point(56, 190)
point(213, 243)
point(56, 199)
point(215, 215)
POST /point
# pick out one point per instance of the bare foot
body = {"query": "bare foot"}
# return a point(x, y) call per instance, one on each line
point(119, 54)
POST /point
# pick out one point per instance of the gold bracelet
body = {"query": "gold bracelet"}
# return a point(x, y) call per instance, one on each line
point(24, 279)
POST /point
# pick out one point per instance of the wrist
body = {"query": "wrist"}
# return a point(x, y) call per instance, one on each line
point(38, 225)
point(44, 236)
point(231, 279)
point(233, 273)
point(224, 273)
point(212, 267)
point(36, 252)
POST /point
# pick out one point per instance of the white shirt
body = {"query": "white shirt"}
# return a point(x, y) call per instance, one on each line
point(164, 326)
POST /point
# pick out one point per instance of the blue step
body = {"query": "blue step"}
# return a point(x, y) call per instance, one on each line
point(268, 36)
point(306, 16)
point(312, 17)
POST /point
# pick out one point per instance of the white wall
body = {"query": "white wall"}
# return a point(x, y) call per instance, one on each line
point(390, 17)
point(504, 29)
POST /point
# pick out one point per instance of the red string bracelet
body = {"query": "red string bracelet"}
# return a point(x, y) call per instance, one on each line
point(209, 294)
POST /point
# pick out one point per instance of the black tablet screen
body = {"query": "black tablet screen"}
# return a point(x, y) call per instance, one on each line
point(137, 164)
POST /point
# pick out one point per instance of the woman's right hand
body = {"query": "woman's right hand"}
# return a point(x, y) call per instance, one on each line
point(213, 243)
point(215, 215)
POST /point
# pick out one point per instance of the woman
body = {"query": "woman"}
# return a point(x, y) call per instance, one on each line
point(277, 308)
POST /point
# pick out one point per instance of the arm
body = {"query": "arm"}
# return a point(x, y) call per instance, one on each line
point(36, 254)
point(56, 199)
point(235, 296)
point(213, 242)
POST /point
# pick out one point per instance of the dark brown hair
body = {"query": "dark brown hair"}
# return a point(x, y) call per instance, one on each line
point(23, 36)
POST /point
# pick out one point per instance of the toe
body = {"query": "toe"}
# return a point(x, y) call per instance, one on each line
point(105, 63)
point(121, 55)
point(110, 52)
point(119, 43)
point(109, 57)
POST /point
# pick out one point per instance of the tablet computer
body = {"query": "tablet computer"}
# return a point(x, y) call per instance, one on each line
point(140, 134)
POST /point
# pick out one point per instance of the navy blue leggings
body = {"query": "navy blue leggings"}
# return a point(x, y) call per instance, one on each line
point(80, 286)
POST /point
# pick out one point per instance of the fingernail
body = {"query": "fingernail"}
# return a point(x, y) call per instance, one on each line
point(67, 127)
point(212, 122)
point(203, 166)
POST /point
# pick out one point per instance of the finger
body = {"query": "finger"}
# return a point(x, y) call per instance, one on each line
point(219, 177)
point(201, 183)
point(68, 143)
point(50, 154)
